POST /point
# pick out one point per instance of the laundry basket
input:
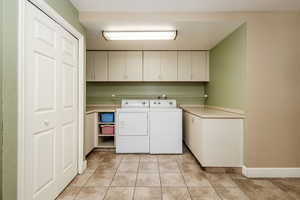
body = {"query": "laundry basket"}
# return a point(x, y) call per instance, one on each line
point(106, 117)
point(107, 129)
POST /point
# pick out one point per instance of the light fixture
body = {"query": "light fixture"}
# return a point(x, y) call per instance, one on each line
point(139, 35)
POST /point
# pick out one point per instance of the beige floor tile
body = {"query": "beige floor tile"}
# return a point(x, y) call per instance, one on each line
point(149, 158)
point(169, 167)
point(203, 193)
point(91, 193)
point(172, 180)
point(148, 167)
point(119, 193)
point(196, 180)
point(95, 155)
point(148, 180)
point(147, 193)
point(231, 193)
point(128, 167)
point(175, 193)
point(260, 192)
point(167, 158)
point(124, 180)
point(92, 165)
point(69, 193)
point(98, 179)
point(107, 167)
point(190, 167)
point(131, 158)
point(290, 186)
point(220, 180)
point(81, 179)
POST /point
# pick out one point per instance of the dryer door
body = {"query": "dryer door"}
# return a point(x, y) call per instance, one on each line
point(133, 123)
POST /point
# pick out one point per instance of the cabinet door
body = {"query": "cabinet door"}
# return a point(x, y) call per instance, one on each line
point(152, 66)
point(200, 66)
point(168, 65)
point(134, 66)
point(184, 65)
point(117, 63)
point(186, 128)
point(90, 132)
point(196, 138)
point(100, 65)
point(90, 73)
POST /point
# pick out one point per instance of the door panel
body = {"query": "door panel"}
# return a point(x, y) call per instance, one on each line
point(116, 66)
point(90, 70)
point(152, 66)
point(184, 66)
point(135, 123)
point(169, 65)
point(134, 66)
point(100, 65)
point(50, 99)
point(200, 66)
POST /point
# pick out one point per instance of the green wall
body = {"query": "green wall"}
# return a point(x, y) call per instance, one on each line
point(1, 84)
point(10, 36)
point(228, 71)
point(185, 93)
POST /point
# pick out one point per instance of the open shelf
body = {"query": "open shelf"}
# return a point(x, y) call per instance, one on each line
point(105, 140)
point(103, 135)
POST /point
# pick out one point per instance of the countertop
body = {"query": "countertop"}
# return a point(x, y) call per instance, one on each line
point(211, 113)
point(200, 111)
point(104, 108)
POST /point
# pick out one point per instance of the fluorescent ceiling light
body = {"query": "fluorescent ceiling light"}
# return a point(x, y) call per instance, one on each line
point(139, 35)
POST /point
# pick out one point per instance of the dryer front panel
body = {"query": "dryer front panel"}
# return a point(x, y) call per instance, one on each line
point(133, 123)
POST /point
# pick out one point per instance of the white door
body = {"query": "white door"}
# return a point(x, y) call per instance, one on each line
point(184, 66)
point(51, 106)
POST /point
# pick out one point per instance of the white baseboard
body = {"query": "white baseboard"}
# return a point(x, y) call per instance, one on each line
point(271, 172)
point(83, 167)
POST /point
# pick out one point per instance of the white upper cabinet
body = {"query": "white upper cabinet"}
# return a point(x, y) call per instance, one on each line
point(125, 66)
point(155, 66)
point(193, 66)
point(160, 66)
point(96, 66)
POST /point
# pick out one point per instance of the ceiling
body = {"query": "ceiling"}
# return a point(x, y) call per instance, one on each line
point(185, 5)
point(192, 35)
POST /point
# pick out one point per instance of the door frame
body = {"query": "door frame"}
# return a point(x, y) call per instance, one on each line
point(43, 6)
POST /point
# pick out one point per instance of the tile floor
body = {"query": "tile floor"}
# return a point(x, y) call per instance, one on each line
point(169, 177)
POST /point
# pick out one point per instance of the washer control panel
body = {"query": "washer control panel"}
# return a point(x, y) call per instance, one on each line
point(163, 103)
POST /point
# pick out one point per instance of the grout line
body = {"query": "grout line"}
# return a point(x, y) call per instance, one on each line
point(181, 173)
point(108, 188)
point(161, 188)
point(137, 173)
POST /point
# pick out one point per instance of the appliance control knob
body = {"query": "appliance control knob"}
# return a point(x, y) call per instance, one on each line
point(144, 103)
point(158, 102)
point(171, 103)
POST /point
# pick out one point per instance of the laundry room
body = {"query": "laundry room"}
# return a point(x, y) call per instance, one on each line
point(149, 100)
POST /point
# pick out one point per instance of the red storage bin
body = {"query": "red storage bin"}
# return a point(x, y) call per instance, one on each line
point(107, 129)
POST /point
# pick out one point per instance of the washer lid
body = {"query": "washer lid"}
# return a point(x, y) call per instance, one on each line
point(163, 103)
point(135, 103)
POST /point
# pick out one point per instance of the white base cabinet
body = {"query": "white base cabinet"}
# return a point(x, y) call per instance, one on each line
point(214, 142)
point(90, 132)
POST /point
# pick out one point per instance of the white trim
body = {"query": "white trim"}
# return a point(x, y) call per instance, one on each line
point(271, 172)
point(42, 5)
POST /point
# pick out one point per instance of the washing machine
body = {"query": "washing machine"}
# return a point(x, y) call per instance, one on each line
point(165, 127)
